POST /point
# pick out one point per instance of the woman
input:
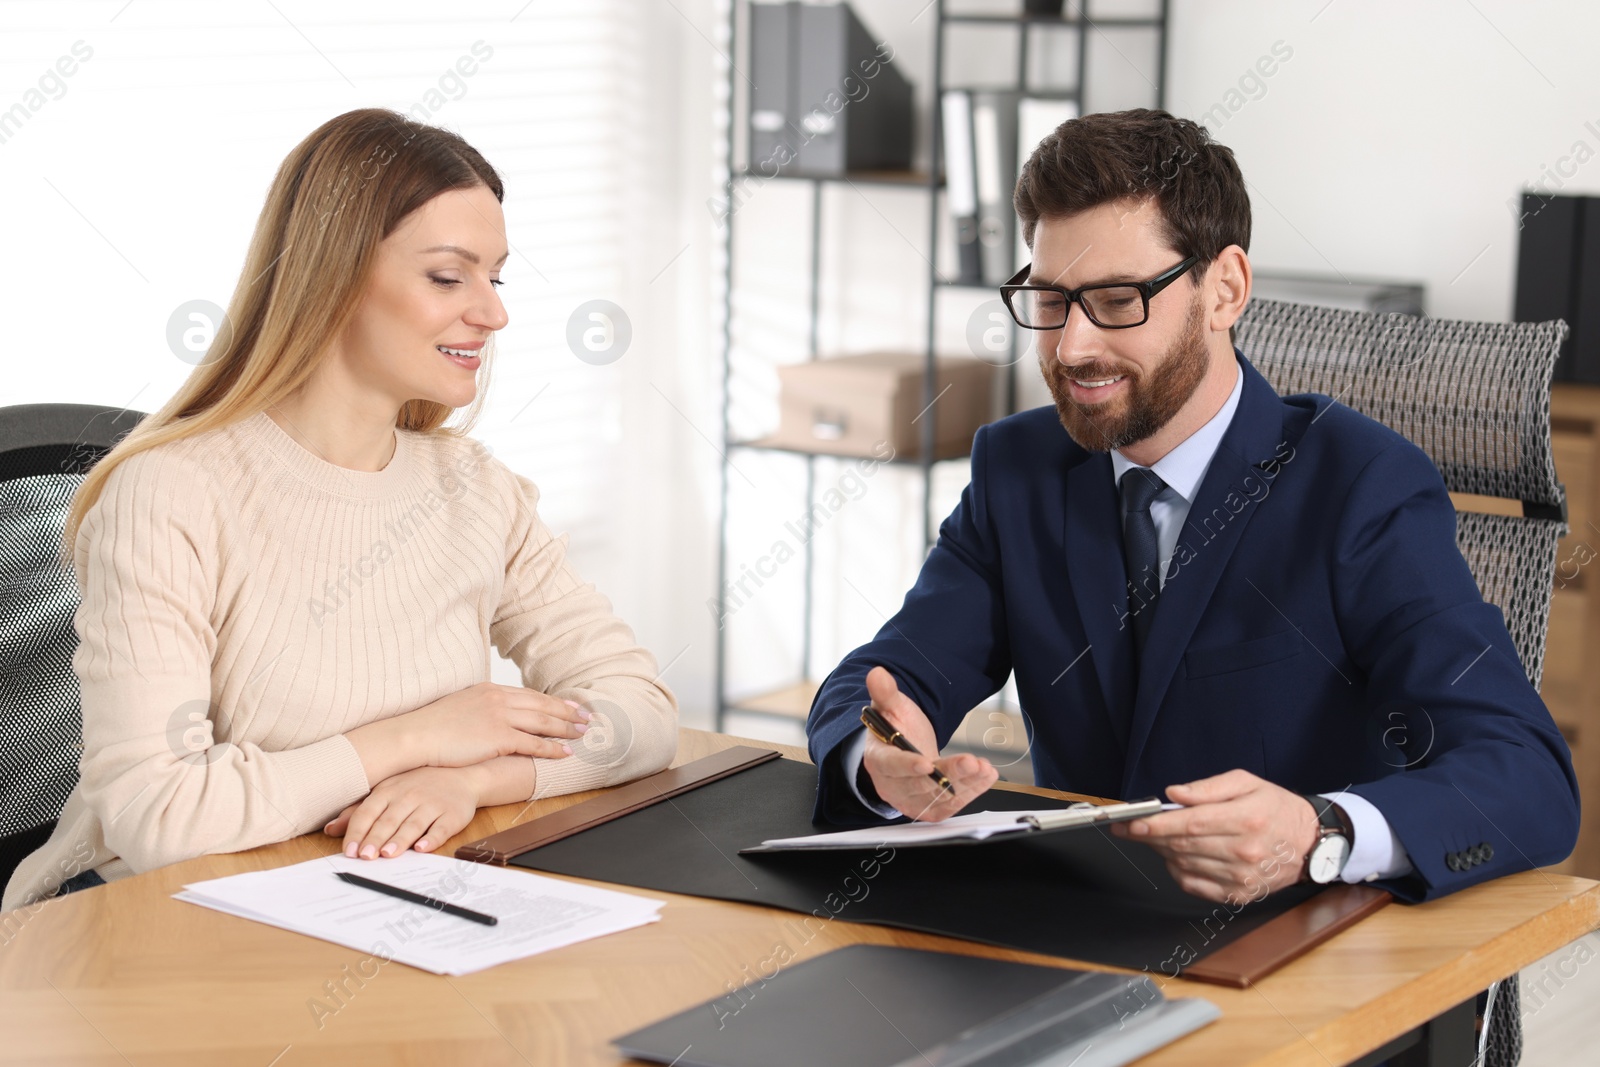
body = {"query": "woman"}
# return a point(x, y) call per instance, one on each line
point(292, 572)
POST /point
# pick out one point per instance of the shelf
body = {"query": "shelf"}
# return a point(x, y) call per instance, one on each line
point(975, 734)
point(1052, 20)
point(788, 707)
point(908, 178)
point(900, 459)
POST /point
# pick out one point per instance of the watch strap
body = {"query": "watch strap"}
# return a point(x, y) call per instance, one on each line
point(1330, 816)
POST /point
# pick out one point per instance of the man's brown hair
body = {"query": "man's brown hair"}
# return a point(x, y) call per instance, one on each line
point(1146, 154)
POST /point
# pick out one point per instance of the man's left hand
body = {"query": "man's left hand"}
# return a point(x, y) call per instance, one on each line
point(1237, 837)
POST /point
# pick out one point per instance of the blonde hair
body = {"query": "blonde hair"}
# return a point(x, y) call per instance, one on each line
point(336, 196)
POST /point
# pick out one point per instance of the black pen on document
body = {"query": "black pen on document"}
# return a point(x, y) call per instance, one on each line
point(884, 731)
point(417, 898)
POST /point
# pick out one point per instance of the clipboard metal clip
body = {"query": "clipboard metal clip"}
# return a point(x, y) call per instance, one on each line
point(1082, 814)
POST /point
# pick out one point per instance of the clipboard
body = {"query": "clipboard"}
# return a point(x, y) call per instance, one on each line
point(976, 829)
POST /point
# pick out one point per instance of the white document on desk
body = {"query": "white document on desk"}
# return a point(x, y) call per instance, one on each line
point(535, 913)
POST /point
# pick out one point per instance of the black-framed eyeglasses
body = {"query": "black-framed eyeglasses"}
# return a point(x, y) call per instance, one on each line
point(1111, 306)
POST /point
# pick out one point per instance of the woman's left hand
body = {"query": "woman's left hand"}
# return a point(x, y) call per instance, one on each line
point(420, 808)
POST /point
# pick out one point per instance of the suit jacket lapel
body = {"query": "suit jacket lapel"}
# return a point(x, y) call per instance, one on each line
point(1229, 495)
point(1093, 540)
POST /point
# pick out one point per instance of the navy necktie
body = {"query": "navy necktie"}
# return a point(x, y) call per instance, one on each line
point(1140, 486)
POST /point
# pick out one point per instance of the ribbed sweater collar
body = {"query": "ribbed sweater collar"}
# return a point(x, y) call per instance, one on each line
point(329, 477)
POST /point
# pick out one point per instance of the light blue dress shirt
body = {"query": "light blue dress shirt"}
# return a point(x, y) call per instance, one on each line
point(1377, 852)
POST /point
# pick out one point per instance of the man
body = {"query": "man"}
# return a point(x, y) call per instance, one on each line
point(1276, 630)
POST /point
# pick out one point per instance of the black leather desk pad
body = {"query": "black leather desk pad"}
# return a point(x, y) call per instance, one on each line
point(1084, 895)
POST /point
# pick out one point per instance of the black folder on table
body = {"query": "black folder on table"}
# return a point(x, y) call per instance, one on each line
point(1084, 895)
point(877, 1006)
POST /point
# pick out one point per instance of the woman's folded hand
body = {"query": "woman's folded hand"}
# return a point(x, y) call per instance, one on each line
point(419, 809)
point(470, 726)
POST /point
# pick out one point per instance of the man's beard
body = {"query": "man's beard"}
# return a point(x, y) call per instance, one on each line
point(1148, 405)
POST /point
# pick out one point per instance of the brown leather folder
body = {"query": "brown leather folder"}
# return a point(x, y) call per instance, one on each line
point(613, 804)
point(1285, 938)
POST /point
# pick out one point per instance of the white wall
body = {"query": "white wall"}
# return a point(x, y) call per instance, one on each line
point(667, 508)
point(1392, 139)
point(132, 185)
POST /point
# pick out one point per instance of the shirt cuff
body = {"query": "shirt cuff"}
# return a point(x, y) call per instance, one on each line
point(850, 757)
point(1376, 852)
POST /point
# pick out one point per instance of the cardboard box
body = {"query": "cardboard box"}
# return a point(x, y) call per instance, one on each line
point(847, 405)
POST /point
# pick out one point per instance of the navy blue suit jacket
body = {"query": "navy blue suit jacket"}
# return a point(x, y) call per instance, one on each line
point(1318, 628)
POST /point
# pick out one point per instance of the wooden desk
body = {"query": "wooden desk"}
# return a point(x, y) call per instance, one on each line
point(124, 974)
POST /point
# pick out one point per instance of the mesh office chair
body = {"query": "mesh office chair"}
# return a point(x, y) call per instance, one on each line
point(1475, 396)
point(45, 450)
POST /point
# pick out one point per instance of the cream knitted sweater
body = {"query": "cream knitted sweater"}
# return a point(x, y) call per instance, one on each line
point(246, 603)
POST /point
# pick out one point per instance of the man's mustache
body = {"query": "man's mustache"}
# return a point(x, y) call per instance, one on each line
point(1090, 372)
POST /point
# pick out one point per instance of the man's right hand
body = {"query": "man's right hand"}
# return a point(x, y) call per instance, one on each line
point(901, 778)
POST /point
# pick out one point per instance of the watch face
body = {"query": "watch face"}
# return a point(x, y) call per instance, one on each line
point(1327, 859)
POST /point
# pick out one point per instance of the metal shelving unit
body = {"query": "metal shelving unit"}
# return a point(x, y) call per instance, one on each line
point(791, 702)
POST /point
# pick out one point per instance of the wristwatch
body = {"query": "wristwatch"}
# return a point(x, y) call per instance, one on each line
point(1335, 835)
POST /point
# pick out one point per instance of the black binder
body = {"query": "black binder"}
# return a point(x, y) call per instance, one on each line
point(961, 184)
point(826, 97)
point(994, 160)
point(876, 1006)
point(1558, 276)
